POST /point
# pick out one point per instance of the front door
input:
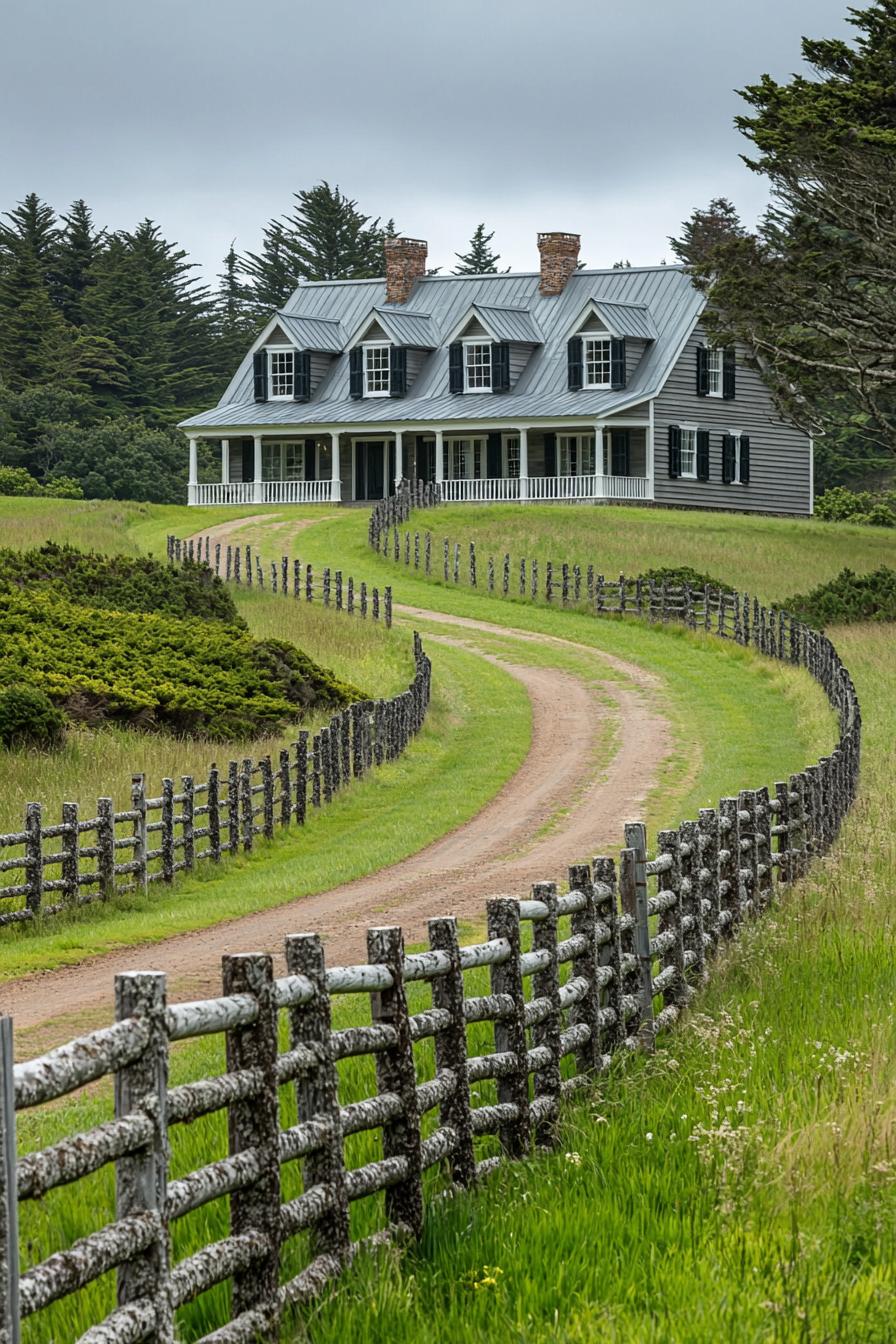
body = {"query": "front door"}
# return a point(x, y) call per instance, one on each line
point(370, 468)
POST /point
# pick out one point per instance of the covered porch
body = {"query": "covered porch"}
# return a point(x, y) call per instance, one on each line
point(473, 464)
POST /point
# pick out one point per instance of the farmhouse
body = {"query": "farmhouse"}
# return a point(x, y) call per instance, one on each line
point(559, 384)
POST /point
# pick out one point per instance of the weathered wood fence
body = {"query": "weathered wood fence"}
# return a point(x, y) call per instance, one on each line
point(81, 859)
point(572, 978)
point(237, 564)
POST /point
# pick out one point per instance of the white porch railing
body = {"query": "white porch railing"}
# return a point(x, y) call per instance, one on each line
point(546, 488)
point(267, 492)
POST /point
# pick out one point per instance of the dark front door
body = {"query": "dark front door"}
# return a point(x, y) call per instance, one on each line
point(369, 468)
point(248, 450)
point(426, 459)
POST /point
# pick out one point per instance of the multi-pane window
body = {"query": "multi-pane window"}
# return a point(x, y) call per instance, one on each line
point(376, 370)
point(282, 372)
point(282, 461)
point(689, 452)
point(597, 361)
point(465, 459)
point(478, 366)
point(576, 454)
point(512, 457)
point(714, 364)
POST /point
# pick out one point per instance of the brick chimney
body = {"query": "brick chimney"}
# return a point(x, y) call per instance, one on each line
point(559, 258)
point(405, 264)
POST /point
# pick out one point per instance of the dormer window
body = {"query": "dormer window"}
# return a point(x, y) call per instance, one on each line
point(477, 366)
point(598, 361)
point(281, 374)
point(376, 369)
point(714, 366)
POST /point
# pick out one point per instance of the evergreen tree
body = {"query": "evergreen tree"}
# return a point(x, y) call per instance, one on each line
point(480, 259)
point(34, 337)
point(326, 237)
point(77, 248)
point(704, 232)
point(235, 320)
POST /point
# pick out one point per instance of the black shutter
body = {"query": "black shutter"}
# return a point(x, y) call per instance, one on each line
point(356, 373)
point(727, 459)
point(674, 452)
point(260, 374)
point(728, 375)
point(248, 455)
point(619, 452)
point(617, 363)
point(301, 375)
point(745, 459)
point(311, 459)
point(702, 454)
point(500, 366)
point(493, 457)
point(456, 367)
point(574, 367)
point(550, 454)
point(398, 371)
point(702, 371)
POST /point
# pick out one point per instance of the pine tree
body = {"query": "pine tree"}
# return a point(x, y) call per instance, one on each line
point(480, 259)
point(34, 337)
point(235, 321)
point(78, 245)
point(704, 232)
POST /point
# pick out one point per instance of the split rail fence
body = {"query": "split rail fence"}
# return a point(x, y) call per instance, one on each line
point(82, 859)
point(476, 1076)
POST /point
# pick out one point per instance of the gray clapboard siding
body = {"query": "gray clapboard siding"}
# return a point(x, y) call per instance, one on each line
point(415, 361)
point(519, 358)
point(780, 454)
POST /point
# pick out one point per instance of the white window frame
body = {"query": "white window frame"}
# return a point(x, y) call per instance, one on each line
point(715, 371)
point(479, 343)
point(278, 458)
point(510, 450)
point(369, 347)
point(594, 338)
point(581, 442)
point(691, 430)
point(278, 350)
point(477, 446)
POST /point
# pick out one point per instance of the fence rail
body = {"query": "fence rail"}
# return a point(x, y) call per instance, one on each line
point(50, 867)
point(560, 984)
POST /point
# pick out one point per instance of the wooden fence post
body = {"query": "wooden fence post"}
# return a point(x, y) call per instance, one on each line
point(71, 852)
point(533, 577)
point(523, 577)
point(633, 896)
point(585, 966)
point(301, 786)
point(338, 578)
point(317, 1096)
point(451, 1049)
point(350, 595)
point(285, 784)
point(564, 584)
point(105, 846)
point(781, 830)
point(141, 1177)
point(503, 915)
point(395, 1073)
point(316, 770)
point(505, 577)
point(546, 985)
point(254, 1125)
point(730, 883)
point(213, 804)
point(387, 606)
point(708, 871)
point(764, 875)
point(267, 781)
point(749, 848)
point(427, 554)
point(34, 858)
point(187, 824)
point(166, 831)
point(692, 899)
point(610, 953)
point(233, 807)
point(247, 805)
point(549, 581)
point(309, 583)
point(10, 1322)
point(456, 562)
point(669, 882)
point(376, 604)
point(445, 557)
point(297, 579)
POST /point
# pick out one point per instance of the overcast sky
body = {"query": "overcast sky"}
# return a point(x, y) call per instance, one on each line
point(608, 118)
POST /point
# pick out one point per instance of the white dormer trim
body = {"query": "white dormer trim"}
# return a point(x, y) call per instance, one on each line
point(590, 310)
point(478, 312)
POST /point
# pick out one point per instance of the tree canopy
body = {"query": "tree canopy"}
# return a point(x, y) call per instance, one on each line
point(479, 259)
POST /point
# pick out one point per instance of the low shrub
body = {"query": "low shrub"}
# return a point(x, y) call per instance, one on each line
point(29, 718)
point(19, 481)
point(847, 598)
point(863, 506)
point(119, 582)
point(153, 670)
point(678, 576)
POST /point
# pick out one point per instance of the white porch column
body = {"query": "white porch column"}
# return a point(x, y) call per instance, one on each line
point(399, 457)
point(194, 471)
point(524, 464)
point(225, 461)
point(440, 457)
point(601, 491)
point(335, 477)
point(257, 492)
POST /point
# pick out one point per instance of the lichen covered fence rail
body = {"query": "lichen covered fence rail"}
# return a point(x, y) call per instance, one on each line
point(471, 1074)
point(87, 858)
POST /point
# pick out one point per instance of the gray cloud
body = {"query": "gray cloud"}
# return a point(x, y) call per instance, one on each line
point(609, 120)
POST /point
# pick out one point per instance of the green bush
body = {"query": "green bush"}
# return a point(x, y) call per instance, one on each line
point(850, 506)
point(149, 670)
point(677, 577)
point(29, 718)
point(119, 582)
point(18, 481)
point(848, 597)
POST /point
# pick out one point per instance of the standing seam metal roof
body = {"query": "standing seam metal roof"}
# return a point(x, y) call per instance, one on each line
point(671, 301)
